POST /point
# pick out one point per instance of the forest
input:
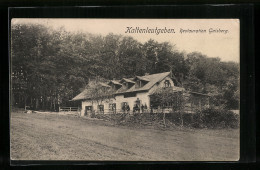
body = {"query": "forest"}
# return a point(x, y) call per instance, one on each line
point(51, 66)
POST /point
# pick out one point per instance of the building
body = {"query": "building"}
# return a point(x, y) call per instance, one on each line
point(129, 94)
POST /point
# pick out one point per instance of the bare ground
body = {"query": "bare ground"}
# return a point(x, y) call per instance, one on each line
point(65, 137)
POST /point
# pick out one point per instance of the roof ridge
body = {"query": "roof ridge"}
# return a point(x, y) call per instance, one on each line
point(155, 74)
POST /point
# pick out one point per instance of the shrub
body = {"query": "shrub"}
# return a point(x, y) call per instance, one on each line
point(209, 118)
point(213, 118)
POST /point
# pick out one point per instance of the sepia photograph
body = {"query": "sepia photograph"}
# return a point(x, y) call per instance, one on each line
point(124, 89)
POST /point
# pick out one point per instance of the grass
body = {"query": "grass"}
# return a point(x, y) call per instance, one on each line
point(65, 137)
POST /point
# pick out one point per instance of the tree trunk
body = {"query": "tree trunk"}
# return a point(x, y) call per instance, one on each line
point(54, 105)
point(36, 104)
point(25, 98)
point(31, 101)
point(164, 122)
point(19, 100)
point(200, 116)
point(181, 116)
point(43, 104)
point(12, 100)
point(50, 104)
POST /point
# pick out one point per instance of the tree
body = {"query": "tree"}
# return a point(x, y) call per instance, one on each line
point(50, 66)
point(99, 93)
point(130, 57)
point(164, 96)
point(29, 44)
point(211, 76)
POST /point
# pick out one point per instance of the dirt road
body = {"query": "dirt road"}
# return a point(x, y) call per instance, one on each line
point(58, 137)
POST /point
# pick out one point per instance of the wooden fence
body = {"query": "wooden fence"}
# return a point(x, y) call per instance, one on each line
point(69, 109)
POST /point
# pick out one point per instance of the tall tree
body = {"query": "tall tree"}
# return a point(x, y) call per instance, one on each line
point(49, 67)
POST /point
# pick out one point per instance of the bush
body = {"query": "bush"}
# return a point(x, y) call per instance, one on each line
point(212, 118)
point(209, 118)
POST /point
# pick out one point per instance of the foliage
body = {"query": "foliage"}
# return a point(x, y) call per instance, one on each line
point(165, 96)
point(50, 67)
point(213, 118)
point(209, 118)
point(99, 93)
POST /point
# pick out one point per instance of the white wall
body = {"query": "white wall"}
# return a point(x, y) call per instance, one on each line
point(143, 97)
point(95, 105)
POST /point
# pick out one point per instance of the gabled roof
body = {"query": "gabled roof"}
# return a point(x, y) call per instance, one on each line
point(115, 82)
point(86, 93)
point(127, 80)
point(152, 80)
point(83, 95)
point(141, 78)
point(104, 85)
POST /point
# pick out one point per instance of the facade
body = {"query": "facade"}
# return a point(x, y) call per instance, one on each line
point(130, 94)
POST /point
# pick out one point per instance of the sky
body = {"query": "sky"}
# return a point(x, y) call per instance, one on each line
point(223, 42)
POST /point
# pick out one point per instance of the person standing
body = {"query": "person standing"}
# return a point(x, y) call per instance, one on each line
point(142, 108)
point(128, 109)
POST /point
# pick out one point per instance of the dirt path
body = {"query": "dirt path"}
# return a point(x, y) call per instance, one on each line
point(57, 137)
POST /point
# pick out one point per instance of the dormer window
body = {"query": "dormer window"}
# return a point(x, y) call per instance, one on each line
point(140, 81)
point(115, 84)
point(125, 84)
point(167, 83)
point(116, 87)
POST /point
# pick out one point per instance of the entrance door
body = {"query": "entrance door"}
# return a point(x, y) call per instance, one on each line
point(114, 107)
point(138, 105)
point(88, 110)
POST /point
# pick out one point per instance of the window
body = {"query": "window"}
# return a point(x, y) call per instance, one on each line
point(88, 110)
point(125, 106)
point(125, 84)
point(167, 83)
point(88, 107)
point(112, 107)
point(101, 108)
point(139, 83)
